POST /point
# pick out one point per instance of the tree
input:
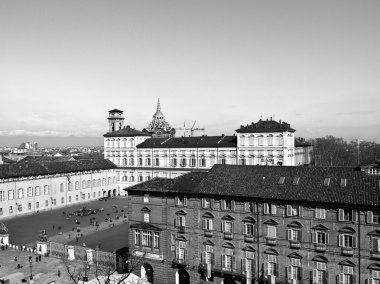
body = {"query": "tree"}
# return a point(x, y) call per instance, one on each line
point(104, 271)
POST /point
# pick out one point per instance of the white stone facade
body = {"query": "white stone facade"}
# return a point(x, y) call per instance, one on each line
point(31, 194)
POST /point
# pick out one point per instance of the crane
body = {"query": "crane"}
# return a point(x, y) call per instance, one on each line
point(192, 129)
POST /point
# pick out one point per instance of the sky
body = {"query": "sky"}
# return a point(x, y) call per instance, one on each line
point(65, 64)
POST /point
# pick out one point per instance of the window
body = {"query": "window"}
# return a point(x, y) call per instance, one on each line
point(46, 189)
point(319, 273)
point(69, 198)
point(248, 229)
point(271, 231)
point(131, 161)
point(227, 227)
point(375, 277)
point(131, 178)
point(89, 195)
point(270, 209)
point(83, 184)
point(2, 197)
point(294, 235)
point(228, 259)
point(77, 197)
point(223, 161)
point(248, 265)
point(156, 240)
point(157, 162)
point(19, 207)
point(146, 238)
point(46, 203)
point(227, 204)
point(346, 277)
point(174, 162)
point(281, 180)
point(146, 198)
point(29, 206)
point(343, 182)
point(147, 162)
point(61, 188)
point(347, 241)
point(261, 140)
point(1, 211)
point(347, 215)
point(251, 140)
point(140, 178)
point(146, 217)
point(296, 180)
point(77, 185)
point(10, 209)
point(183, 163)
point(242, 140)
point(375, 244)
point(20, 193)
point(181, 252)
point(320, 237)
point(37, 205)
point(193, 162)
point(373, 217)
point(326, 182)
point(181, 201)
point(320, 213)
point(38, 191)
point(206, 202)
point(137, 237)
point(180, 221)
point(140, 161)
point(203, 162)
point(11, 194)
point(294, 270)
point(243, 162)
point(207, 224)
point(208, 254)
point(62, 200)
point(272, 265)
point(293, 210)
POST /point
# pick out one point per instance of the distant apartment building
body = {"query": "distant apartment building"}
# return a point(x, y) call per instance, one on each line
point(156, 152)
point(27, 188)
point(258, 224)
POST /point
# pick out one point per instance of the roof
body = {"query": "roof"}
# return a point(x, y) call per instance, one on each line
point(116, 110)
point(190, 142)
point(265, 126)
point(45, 159)
point(262, 182)
point(127, 131)
point(34, 169)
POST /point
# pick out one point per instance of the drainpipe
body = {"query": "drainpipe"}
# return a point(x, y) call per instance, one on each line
point(258, 239)
point(359, 248)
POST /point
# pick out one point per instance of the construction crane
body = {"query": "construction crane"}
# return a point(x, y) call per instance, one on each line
point(192, 129)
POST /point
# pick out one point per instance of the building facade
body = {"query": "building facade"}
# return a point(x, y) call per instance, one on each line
point(155, 152)
point(254, 224)
point(28, 188)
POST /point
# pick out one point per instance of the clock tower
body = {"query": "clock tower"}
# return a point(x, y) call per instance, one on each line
point(115, 120)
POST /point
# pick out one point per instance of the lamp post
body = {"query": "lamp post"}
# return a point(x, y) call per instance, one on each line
point(31, 269)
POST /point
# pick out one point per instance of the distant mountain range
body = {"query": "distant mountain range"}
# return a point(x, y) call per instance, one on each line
point(49, 141)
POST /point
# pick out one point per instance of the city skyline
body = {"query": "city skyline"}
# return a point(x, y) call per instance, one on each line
point(65, 64)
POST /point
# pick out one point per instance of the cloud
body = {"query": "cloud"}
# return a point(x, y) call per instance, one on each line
point(19, 132)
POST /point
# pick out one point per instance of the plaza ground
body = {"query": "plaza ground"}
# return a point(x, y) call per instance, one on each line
point(25, 230)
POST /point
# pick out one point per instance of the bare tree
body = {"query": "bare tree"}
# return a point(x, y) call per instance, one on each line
point(104, 272)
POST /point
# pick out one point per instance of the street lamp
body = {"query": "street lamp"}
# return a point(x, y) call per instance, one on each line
point(31, 269)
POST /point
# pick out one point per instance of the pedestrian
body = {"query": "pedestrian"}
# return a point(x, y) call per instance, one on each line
point(53, 227)
point(39, 258)
point(59, 273)
point(18, 266)
point(36, 258)
point(15, 258)
point(30, 258)
point(69, 236)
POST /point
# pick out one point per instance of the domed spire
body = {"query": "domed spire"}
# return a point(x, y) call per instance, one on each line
point(159, 124)
point(158, 111)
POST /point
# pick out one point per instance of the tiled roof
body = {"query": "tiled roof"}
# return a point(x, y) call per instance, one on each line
point(46, 159)
point(116, 110)
point(190, 142)
point(265, 126)
point(262, 182)
point(34, 169)
point(126, 132)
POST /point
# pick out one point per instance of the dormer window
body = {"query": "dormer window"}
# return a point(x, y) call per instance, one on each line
point(296, 180)
point(146, 198)
point(343, 182)
point(181, 201)
point(326, 182)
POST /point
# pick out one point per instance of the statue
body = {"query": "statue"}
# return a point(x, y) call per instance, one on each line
point(3, 229)
point(43, 236)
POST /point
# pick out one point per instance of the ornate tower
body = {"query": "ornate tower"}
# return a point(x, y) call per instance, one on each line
point(115, 120)
point(159, 127)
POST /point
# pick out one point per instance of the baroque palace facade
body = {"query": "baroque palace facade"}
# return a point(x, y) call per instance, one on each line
point(27, 188)
point(258, 224)
point(156, 152)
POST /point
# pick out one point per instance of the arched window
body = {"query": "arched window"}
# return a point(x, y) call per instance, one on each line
point(251, 140)
point(131, 178)
point(77, 185)
point(270, 140)
point(242, 140)
point(99, 182)
point(89, 183)
point(83, 184)
point(109, 181)
point(261, 140)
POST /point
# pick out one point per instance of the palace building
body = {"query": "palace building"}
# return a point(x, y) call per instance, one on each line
point(156, 152)
point(27, 188)
point(258, 224)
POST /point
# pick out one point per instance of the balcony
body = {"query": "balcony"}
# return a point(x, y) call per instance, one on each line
point(248, 238)
point(271, 242)
point(208, 233)
point(347, 251)
point(179, 263)
point(320, 247)
point(295, 244)
point(375, 255)
point(228, 235)
point(181, 229)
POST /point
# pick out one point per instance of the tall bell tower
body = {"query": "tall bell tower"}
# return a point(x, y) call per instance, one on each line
point(115, 120)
